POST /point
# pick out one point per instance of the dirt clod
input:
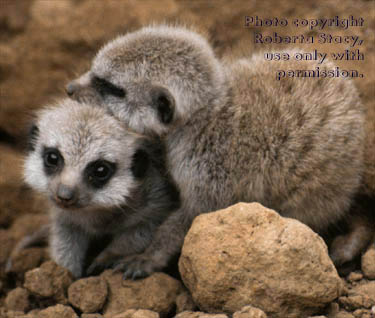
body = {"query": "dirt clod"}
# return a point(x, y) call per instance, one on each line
point(17, 300)
point(88, 294)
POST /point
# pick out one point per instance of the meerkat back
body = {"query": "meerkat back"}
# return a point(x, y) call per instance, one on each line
point(295, 146)
point(309, 134)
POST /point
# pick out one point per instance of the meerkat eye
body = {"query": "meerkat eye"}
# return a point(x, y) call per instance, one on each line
point(99, 172)
point(52, 160)
point(105, 88)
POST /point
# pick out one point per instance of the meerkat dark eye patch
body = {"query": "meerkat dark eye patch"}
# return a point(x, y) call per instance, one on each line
point(140, 163)
point(105, 88)
point(99, 172)
point(52, 159)
point(163, 102)
point(32, 137)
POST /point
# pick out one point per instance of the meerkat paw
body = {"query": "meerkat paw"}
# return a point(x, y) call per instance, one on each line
point(341, 251)
point(137, 266)
point(346, 248)
point(344, 252)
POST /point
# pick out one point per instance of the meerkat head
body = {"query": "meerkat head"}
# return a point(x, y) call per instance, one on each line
point(152, 78)
point(83, 158)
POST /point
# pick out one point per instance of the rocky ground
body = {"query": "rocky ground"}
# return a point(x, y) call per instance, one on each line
point(245, 254)
point(43, 44)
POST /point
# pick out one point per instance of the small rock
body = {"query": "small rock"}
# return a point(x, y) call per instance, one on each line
point(184, 302)
point(17, 300)
point(367, 290)
point(248, 254)
point(333, 309)
point(33, 313)
point(249, 312)
point(88, 294)
point(49, 280)
point(198, 314)
point(343, 314)
point(91, 316)
point(58, 311)
point(188, 314)
point(362, 313)
point(157, 292)
point(355, 301)
point(354, 277)
point(140, 313)
point(13, 314)
point(368, 263)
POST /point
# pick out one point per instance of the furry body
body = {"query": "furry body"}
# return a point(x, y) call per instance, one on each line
point(102, 180)
point(294, 145)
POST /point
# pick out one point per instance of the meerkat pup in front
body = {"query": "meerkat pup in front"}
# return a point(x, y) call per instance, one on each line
point(232, 132)
point(101, 180)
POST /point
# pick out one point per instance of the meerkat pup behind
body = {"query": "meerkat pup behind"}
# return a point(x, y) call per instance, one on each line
point(233, 132)
point(101, 180)
point(153, 79)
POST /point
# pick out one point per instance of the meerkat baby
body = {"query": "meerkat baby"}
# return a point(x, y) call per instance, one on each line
point(234, 133)
point(153, 79)
point(102, 180)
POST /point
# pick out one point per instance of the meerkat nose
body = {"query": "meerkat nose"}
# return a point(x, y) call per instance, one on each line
point(70, 88)
point(65, 194)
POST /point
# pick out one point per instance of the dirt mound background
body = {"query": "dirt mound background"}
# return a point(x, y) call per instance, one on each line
point(45, 43)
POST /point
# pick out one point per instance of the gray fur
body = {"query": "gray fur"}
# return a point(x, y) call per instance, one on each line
point(127, 208)
point(294, 145)
point(140, 62)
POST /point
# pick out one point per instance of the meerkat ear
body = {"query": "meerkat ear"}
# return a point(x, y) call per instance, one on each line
point(32, 137)
point(164, 104)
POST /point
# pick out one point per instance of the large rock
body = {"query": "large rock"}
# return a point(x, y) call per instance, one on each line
point(248, 254)
point(156, 293)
